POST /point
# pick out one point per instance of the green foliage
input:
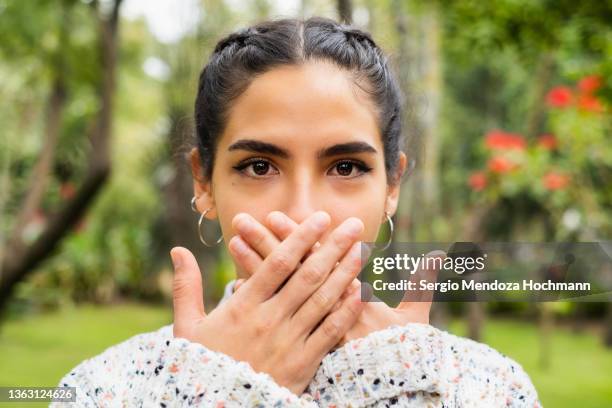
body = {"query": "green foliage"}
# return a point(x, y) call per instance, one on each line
point(564, 172)
point(491, 54)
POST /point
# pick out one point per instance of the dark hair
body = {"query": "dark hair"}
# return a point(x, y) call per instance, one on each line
point(238, 58)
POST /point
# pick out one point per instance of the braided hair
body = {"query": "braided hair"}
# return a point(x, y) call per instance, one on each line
point(238, 58)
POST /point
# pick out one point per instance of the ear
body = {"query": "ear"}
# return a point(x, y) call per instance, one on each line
point(393, 192)
point(202, 187)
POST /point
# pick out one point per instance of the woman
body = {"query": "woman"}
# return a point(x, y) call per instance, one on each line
point(299, 158)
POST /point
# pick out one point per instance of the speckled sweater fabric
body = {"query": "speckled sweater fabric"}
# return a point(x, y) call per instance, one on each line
point(415, 365)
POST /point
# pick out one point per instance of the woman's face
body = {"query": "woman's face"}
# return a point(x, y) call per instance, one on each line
point(300, 139)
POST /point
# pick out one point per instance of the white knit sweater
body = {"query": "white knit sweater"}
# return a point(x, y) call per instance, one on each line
point(415, 365)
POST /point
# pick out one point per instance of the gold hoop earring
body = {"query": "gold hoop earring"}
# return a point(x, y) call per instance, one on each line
point(200, 234)
point(391, 227)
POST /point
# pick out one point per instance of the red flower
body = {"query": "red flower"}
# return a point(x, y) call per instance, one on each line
point(477, 181)
point(589, 103)
point(547, 141)
point(500, 164)
point(497, 139)
point(589, 84)
point(559, 97)
point(555, 181)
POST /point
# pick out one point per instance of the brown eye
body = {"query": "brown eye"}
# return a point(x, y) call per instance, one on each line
point(260, 168)
point(344, 168)
point(255, 168)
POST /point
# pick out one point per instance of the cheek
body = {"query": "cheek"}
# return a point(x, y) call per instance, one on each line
point(370, 218)
point(368, 205)
point(231, 200)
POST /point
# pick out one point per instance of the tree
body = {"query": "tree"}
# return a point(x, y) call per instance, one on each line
point(20, 258)
point(345, 11)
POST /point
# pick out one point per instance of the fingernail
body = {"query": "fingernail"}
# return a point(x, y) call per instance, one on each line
point(276, 220)
point(238, 244)
point(320, 219)
point(367, 251)
point(176, 258)
point(356, 250)
point(242, 223)
point(353, 226)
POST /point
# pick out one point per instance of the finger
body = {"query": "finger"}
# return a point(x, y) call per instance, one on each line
point(281, 225)
point(355, 285)
point(334, 327)
point(283, 260)
point(187, 291)
point(428, 271)
point(315, 270)
point(237, 284)
point(323, 299)
point(367, 293)
point(260, 238)
point(247, 260)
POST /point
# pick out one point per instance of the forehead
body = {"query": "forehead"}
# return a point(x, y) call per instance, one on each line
point(306, 103)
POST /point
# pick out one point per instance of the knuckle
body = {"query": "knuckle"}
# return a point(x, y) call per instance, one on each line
point(281, 262)
point(340, 240)
point(336, 306)
point(354, 263)
point(297, 365)
point(180, 286)
point(235, 312)
point(257, 237)
point(320, 299)
point(348, 268)
point(312, 274)
point(332, 328)
point(352, 310)
point(263, 326)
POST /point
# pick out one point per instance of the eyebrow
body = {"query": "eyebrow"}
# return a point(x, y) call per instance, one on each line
point(257, 146)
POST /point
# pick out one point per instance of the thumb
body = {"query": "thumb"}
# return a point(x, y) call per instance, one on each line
point(428, 271)
point(187, 291)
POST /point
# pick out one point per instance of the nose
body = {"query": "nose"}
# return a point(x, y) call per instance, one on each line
point(303, 199)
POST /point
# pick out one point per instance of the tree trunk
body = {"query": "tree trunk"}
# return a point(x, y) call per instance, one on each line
point(476, 316)
point(407, 74)
point(546, 328)
point(474, 230)
point(431, 77)
point(345, 11)
point(17, 266)
point(39, 177)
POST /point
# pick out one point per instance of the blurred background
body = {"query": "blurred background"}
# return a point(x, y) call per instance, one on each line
point(508, 109)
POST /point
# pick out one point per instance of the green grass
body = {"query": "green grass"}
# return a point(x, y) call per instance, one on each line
point(580, 371)
point(39, 350)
